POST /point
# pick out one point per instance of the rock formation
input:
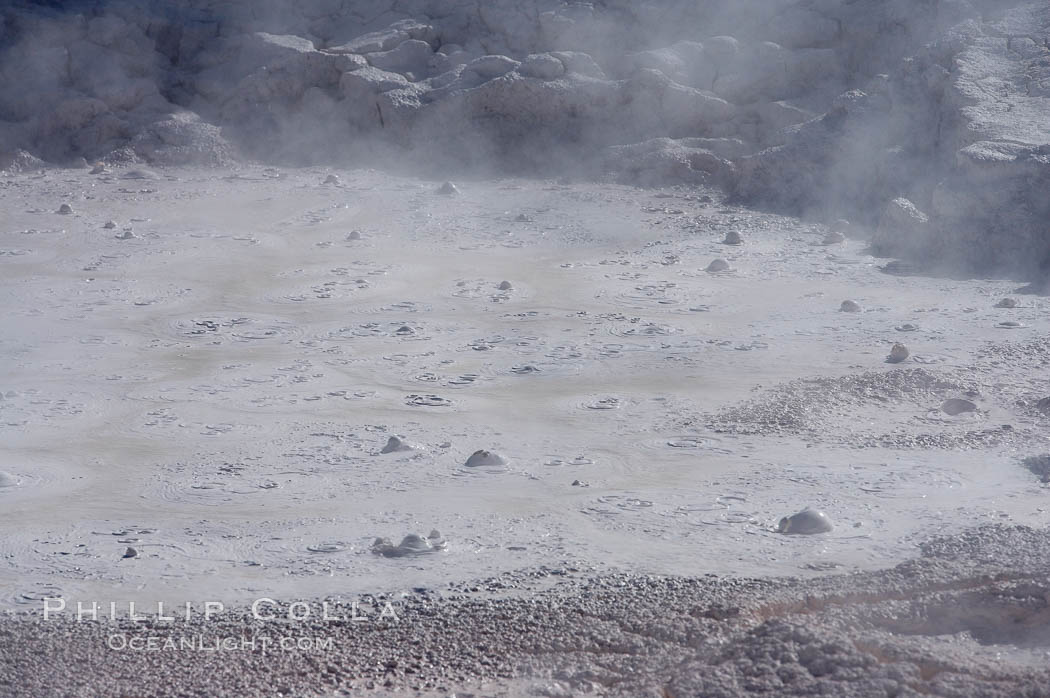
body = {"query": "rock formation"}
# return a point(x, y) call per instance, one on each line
point(926, 123)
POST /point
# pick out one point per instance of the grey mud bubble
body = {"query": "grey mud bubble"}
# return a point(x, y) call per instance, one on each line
point(850, 307)
point(427, 401)
point(523, 369)
point(130, 552)
point(806, 522)
point(65, 209)
point(353, 235)
point(331, 179)
point(140, 174)
point(448, 189)
point(1007, 303)
point(412, 544)
point(954, 406)
point(327, 547)
point(833, 238)
point(718, 265)
point(482, 457)
point(898, 353)
point(99, 168)
point(109, 225)
point(396, 444)
point(732, 238)
point(504, 286)
point(8, 480)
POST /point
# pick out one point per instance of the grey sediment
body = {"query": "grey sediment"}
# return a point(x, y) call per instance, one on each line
point(966, 617)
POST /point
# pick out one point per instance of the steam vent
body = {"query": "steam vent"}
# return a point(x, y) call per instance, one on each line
point(879, 112)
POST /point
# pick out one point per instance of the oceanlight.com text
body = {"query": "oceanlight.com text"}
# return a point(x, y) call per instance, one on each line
point(203, 643)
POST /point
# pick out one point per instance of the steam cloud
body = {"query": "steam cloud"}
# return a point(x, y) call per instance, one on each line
point(925, 123)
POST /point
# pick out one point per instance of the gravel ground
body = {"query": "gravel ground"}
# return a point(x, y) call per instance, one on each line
point(969, 616)
point(839, 410)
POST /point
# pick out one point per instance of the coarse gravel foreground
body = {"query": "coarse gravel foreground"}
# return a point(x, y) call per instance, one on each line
point(970, 616)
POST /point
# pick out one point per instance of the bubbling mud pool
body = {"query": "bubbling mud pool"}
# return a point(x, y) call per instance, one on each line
point(248, 394)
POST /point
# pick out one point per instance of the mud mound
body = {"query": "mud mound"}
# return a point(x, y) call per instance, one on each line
point(997, 545)
point(1035, 352)
point(829, 406)
point(850, 410)
point(792, 659)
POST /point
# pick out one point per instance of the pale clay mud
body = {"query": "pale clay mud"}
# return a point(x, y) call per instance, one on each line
point(166, 379)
